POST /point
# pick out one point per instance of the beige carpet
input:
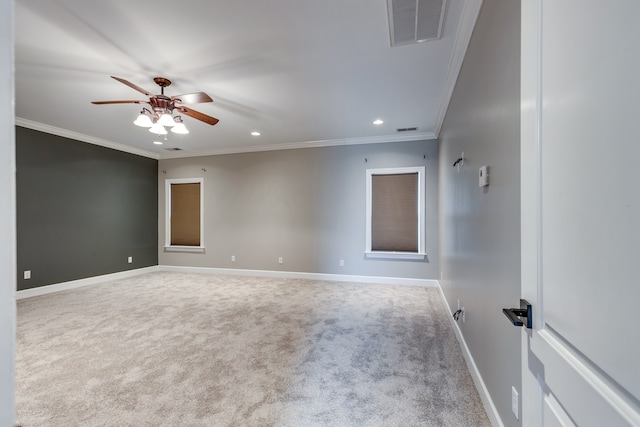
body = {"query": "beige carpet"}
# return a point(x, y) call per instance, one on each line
point(170, 349)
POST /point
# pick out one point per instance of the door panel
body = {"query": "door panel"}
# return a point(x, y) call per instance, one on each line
point(554, 414)
point(583, 393)
point(590, 200)
point(581, 211)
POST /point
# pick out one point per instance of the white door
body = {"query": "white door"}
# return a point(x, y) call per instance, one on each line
point(580, 162)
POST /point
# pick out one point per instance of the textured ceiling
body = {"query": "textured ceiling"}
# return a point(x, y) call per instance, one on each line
point(301, 72)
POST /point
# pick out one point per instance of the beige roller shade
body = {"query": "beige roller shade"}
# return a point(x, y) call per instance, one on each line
point(185, 214)
point(394, 212)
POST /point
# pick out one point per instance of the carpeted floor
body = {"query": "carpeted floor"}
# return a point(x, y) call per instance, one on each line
point(170, 349)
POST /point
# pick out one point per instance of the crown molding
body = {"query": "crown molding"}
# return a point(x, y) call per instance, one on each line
point(414, 136)
point(470, 12)
point(84, 138)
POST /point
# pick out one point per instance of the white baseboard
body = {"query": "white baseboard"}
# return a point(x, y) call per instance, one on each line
point(487, 402)
point(43, 290)
point(302, 275)
point(57, 287)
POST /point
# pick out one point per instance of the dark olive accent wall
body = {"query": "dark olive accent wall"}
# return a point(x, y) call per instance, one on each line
point(82, 209)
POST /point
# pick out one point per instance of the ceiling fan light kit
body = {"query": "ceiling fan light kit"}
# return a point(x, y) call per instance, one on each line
point(166, 120)
point(158, 129)
point(179, 127)
point(160, 116)
point(143, 120)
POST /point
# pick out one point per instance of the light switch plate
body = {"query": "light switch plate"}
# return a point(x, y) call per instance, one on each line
point(483, 176)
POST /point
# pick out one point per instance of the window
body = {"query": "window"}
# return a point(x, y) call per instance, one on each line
point(184, 215)
point(395, 213)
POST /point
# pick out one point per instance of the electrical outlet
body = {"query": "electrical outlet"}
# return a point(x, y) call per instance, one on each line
point(130, 259)
point(515, 402)
point(341, 263)
point(27, 274)
point(280, 260)
point(233, 258)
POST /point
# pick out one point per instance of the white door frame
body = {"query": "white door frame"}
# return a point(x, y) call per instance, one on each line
point(7, 218)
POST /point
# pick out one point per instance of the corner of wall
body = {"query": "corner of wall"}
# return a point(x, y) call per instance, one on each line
point(483, 391)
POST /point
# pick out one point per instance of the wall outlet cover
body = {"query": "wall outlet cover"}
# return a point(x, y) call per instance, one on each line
point(515, 402)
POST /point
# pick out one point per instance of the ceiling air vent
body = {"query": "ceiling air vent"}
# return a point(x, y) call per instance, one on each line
point(406, 129)
point(173, 149)
point(414, 21)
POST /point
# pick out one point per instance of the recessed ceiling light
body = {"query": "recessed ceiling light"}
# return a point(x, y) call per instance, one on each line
point(378, 122)
point(157, 142)
point(255, 133)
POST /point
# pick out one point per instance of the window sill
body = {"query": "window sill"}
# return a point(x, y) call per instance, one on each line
point(193, 249)
point(394, 255)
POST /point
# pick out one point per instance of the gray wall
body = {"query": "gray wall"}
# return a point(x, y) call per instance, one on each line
point(306, 205)
point(480, 230)
point(82, 209)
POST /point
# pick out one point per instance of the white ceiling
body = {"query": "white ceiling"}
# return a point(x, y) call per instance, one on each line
point(302, 72)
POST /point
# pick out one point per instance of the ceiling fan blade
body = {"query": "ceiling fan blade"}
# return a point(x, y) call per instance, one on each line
point(192, 98)
point(119, 102)
point(131, 85)
point(197, 115)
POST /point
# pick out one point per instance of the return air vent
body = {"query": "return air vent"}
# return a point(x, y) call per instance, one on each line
point(414, 21)
point(406, 129)
point(173, 149)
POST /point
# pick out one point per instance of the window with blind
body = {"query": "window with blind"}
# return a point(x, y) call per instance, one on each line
point(184, 214)
point(395, 213)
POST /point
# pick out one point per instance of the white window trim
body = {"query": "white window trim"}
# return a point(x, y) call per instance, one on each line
point(421, 254)
point(168, 247)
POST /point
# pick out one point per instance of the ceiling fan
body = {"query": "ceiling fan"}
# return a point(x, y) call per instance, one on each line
point(162, 108)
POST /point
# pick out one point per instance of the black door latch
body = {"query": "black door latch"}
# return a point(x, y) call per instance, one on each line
point(520, 316)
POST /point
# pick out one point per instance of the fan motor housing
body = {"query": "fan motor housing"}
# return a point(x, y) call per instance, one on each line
point(161, 103)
